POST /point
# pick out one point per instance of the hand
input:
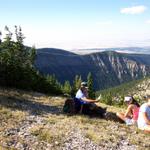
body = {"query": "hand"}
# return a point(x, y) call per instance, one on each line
point(96, 101)
point(99, 97)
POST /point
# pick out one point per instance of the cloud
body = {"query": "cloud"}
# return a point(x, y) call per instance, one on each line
point(133, 10)
point(148, 21)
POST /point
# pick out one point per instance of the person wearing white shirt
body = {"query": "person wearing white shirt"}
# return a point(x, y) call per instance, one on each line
point(144, 116)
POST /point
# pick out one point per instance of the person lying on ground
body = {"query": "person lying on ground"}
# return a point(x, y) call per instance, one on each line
point(131, 115)
point(144, 116)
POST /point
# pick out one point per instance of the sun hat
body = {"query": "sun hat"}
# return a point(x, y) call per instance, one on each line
point(127, 98)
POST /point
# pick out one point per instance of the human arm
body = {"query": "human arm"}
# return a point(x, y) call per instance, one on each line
point(128, 112)
point(144, 110)
point(145, 117)
point(82, 96)
point(89, 100)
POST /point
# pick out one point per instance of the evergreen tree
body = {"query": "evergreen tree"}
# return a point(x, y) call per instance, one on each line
point(108, 99)
point(91, 92)
point(67, 88)
point(17, 66)
point(53, 85)
point(0, 37)
point(16, 61)
point(76, 84)
point(15, 53)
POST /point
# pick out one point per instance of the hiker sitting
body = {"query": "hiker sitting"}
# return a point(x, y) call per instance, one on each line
point(85, 104)
point(144, 116)
point(131, 115)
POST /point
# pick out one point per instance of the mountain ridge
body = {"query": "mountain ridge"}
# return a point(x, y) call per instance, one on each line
point(108, 68)
point(137, 50)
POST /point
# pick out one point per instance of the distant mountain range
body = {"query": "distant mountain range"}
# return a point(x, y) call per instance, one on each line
point(109, 68)
point(137, 50)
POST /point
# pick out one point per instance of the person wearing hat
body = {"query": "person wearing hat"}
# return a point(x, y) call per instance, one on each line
point(82, 97)
point(131, 115)
point(144, 116)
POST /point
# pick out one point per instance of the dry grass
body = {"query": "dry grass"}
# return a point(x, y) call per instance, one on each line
point(3, 148)
point(9, 118)
point(98, 130)
point(58, 126)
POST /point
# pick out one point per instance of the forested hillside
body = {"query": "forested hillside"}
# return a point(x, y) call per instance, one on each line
point(107, 68)
point(17, 65)
point(17, 68)
point(137, 88)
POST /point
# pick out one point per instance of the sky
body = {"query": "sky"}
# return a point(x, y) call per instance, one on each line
point(79, 24)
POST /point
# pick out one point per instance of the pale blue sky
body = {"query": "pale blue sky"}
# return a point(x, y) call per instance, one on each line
point(72, 24)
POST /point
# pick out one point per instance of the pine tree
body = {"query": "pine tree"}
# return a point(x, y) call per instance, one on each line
point(67, 88)
point(16, 60)
point(91, 91)
point(53, 85)
point(108, 98)
point(14, 52)
point(76, 84)
point(17, 66)
point(0, 37)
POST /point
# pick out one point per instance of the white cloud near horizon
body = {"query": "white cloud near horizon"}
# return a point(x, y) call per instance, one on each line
point(133, 10)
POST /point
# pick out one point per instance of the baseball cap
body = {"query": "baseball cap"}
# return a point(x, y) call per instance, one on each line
point(84, 84)
point(127, 98)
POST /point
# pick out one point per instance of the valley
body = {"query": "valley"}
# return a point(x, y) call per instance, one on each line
point(108, 68)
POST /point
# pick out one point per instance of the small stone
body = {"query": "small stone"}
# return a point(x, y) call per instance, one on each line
point(56, 143)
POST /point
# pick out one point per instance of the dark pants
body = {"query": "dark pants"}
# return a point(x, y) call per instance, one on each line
point(96, 111)
point(90, 109)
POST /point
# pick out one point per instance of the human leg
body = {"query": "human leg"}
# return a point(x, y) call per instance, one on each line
point(121, 116)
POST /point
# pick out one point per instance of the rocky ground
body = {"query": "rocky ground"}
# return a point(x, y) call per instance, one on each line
point(33, 121)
